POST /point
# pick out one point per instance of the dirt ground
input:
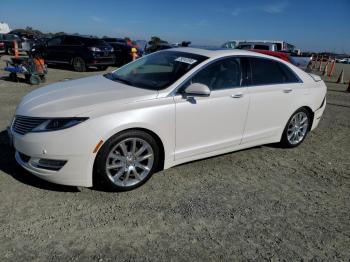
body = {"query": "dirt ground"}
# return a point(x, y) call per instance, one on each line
point(264, 203)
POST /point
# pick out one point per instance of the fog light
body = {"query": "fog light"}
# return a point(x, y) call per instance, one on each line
point(51, 164)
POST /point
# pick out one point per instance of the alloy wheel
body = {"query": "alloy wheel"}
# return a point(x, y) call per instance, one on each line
point(297, 128)
point(79, 64)
point(129, 162)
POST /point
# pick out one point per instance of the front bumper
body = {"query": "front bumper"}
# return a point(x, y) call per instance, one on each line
point(318, 114)
point(103, 61)
point(64, 145)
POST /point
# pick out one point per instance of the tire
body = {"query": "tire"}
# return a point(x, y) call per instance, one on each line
point(296, 130)
point(34, 80)
point(102, 68)
point(9, 51)
point(43, 79)
point(115, 167)
point(13, 77)
point(79, 64)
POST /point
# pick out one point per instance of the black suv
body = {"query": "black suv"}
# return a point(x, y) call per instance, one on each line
point(79, 51)
point(122, 50)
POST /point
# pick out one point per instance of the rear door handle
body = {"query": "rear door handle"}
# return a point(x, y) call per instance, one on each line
point(237, 95)
point(287, 90)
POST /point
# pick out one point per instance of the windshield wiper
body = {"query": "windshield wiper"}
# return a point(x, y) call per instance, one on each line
point(122, 80)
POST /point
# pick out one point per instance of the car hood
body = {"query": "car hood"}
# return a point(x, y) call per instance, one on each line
point(76, 97)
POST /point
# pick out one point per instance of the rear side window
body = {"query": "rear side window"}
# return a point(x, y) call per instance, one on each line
point(289, 74)
point(54, 41)
point(71, 40)
point(266, 71)
point(94, 41)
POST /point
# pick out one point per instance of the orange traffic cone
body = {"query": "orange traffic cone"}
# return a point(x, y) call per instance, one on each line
point(15, 48)
point(332, 69)
point(341, 77)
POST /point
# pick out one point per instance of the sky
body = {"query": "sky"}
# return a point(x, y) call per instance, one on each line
point(309, 24)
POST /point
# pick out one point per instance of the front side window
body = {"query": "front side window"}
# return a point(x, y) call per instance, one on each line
point(222, 74)
point(157, 71)
point(266, 71)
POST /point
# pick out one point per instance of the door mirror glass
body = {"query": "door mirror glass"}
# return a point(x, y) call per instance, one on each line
point(197, 89)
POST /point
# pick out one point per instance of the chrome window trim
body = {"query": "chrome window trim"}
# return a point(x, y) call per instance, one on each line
point(174, 92)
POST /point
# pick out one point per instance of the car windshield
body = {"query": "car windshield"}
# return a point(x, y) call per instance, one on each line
point(157, 71)
point(94, 41)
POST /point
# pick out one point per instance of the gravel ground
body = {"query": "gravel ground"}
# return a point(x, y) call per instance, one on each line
point(264, 203)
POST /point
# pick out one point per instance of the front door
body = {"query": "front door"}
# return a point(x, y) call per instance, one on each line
point(215, 122)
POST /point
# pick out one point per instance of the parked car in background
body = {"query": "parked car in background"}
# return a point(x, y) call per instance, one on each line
point(151, 48)
point(122, 50)
point(2, 47)
point(343, 60)
point(164, 109)
point(80, 52)
point(279, 45)
point(257, 45)
point(8, 39)
point(303, 62)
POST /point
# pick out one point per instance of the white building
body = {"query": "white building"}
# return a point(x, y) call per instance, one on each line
point(4, 28)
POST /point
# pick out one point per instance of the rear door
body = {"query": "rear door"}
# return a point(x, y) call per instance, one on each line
point(274, 90)
point(53, 50)
point(70, 48)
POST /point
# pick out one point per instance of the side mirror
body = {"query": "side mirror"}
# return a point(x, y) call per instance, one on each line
point(197, 89)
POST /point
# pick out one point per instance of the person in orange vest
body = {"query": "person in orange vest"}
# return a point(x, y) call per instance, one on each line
point(15, 48)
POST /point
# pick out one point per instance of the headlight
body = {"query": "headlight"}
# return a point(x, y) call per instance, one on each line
point(94, 49)
point(58, 124)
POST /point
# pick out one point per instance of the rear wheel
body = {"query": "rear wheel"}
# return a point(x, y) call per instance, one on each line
point(126, 161)
point(79, 64)
point(9, 51)
point(34, 80)
point(296, 128)
point(13, 77)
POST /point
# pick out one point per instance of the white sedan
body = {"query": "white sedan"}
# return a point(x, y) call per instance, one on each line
point(162, 110)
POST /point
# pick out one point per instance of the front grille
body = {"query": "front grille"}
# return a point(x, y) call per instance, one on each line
point(24, 124)
point(51, 164)
point(24, 157)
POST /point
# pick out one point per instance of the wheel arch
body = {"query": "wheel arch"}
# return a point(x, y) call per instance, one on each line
point(311, 113)
point(308, 109)
point(146, 130)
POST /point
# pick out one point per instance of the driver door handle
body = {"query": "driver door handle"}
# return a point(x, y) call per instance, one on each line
point(239, 95)
point(287, 90)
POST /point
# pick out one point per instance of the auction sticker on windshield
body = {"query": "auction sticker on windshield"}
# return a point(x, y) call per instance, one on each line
point(186, 60)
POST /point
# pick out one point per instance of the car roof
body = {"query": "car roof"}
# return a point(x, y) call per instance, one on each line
point(217, 52)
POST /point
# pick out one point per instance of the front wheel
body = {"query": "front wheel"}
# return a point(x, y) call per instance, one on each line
point(79, 64)
point(126, 161)
point(102, 68)
point(296, 128)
